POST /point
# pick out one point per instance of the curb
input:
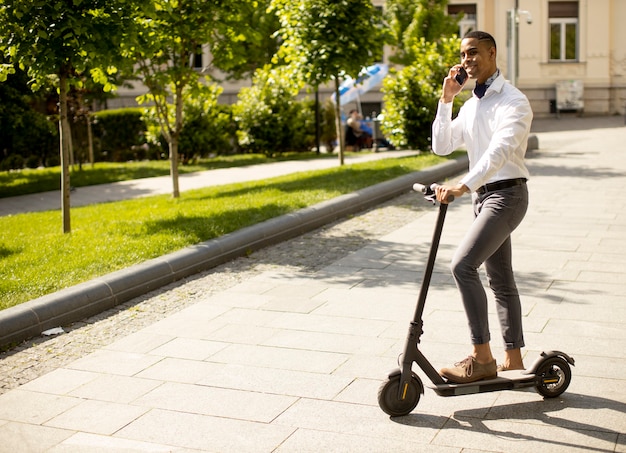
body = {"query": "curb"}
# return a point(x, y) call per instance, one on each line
point(81, 301)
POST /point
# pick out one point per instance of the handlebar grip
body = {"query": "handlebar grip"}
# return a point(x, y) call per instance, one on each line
point(429, 191)
point(424, 189)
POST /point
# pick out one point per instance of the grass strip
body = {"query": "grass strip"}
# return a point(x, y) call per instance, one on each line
point(36, 258)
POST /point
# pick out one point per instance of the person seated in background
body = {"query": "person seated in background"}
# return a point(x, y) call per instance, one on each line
point(356, 136)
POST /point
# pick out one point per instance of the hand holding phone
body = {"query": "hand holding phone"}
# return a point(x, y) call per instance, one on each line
point(461, 76)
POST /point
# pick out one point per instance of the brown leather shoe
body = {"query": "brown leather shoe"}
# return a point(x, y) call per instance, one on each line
point(469, 370)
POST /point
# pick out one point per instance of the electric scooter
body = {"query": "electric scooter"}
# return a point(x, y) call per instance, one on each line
point(550, 374)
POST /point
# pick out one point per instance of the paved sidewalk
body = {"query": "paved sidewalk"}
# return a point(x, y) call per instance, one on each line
point(290, 359)
point(163, 184)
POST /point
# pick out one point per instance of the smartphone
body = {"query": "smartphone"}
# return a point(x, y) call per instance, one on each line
point(461, 77)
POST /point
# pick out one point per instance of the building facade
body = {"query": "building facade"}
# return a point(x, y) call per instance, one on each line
point(570, 54)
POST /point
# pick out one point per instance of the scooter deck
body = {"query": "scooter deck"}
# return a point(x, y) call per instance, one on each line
point(506, 380)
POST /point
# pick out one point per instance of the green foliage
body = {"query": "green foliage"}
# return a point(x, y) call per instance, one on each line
point(328, 126)
point(412, 95)
point(172, 33)
point(65, 39)
point(248, 48)
point(323, 39)
point(119, 134)
point(24, 131)
point(269, 118)
point(207, 129)
point(113, 236)
point(424, 45)
point(208, 132)
point(12, 162)
point(411, 20)
point(47, 37)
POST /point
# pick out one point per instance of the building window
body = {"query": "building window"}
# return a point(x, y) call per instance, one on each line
point(468, 21)
point(563, 19)
point(197, 59)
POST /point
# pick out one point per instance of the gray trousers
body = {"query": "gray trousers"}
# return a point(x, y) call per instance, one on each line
point(488, 241)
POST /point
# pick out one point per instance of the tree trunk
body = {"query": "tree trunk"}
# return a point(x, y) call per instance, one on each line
point(317, 120)
point(338, 121)
point(178, 126)
point(174, 166)
point(90, 139)
point(64, 140)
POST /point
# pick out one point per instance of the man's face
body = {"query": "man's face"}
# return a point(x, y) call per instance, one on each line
point(478, 58)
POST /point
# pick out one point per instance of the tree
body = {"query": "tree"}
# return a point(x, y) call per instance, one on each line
point(251, 47)
point(411, 20)
point(172, 32)
point(324, 40)
point(426, 45)
point(64, 39)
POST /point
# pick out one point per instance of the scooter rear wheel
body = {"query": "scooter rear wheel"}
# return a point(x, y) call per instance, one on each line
point(388, 395)
point(553, 377)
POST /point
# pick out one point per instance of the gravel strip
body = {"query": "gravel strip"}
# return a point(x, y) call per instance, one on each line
point(304, 254)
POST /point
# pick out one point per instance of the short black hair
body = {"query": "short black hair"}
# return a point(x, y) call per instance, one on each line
point(481, 36)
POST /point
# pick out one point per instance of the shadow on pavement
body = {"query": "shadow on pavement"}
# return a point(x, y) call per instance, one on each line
point(544, 412)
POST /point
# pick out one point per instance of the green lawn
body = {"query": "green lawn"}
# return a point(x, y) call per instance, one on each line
point(36, 258)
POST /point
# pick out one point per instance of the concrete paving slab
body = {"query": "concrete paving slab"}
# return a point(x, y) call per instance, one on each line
point(204, 433)
point(36, 408)
point(98, 417)
point(29, 438)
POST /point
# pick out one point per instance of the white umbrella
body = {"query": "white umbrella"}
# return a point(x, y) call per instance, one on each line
point(367, 79)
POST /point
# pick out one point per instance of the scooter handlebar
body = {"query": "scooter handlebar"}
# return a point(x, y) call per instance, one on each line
point(429, 191)
point(426, 190)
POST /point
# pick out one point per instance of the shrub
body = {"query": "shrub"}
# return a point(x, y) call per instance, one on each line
point(13, 162)
point(119, 135)
point(328, 127)
point(33, 162)
point(24, 131)
point(411, 97)
point(208, 127)
point(52, 161)
point(270, 119)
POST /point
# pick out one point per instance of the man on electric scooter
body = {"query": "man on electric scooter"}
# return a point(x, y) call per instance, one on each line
point(494, 125)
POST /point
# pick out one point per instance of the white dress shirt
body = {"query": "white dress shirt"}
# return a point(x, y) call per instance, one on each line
point(494, 129)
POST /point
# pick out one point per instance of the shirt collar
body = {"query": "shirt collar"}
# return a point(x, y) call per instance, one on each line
point(493, 77)
point(490, 81)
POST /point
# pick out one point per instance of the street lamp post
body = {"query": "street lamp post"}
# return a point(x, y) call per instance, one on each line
point(512, 19)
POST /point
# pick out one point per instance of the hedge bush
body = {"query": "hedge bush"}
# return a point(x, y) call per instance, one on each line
point(269, 117)
point(120, 135)
point(24, 131)
point(209, 128)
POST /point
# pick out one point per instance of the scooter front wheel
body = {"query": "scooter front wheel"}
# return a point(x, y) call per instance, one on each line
point(553, 377)
point(388, 395)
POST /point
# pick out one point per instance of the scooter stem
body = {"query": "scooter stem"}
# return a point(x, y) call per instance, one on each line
point(430, 265)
